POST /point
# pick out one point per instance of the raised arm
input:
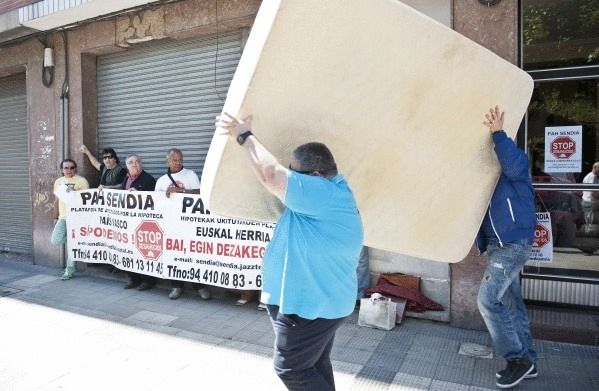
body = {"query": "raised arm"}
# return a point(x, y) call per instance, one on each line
point(514, 162)
point(271, 173)
point(92, 159)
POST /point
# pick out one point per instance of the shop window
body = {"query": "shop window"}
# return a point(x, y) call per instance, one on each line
point(563, 145)
point(562, 130)
point(562, 33)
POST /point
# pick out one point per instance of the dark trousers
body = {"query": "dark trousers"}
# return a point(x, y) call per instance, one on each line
point(302, 350)
point(139, 278)
point(180, 284)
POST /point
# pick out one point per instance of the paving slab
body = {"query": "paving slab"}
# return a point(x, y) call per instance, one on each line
point(89, 333)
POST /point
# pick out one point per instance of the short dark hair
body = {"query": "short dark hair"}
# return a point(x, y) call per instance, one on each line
point(112, 152)
point(174, 150)
point(67, 161)
point(316, 156)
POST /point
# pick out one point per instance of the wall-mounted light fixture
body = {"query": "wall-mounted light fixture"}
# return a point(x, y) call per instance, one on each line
point(48, 67)
point(489, 3)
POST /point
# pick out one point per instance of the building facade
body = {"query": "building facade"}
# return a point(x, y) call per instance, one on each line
point(144, 76)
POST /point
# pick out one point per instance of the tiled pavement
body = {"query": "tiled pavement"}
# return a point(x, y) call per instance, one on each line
point(211, 337)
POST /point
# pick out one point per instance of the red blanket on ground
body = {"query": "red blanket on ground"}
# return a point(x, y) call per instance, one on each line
point(417, 302)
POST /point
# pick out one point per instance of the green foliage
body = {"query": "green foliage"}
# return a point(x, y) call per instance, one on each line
point(576, 107)
point(570, 26)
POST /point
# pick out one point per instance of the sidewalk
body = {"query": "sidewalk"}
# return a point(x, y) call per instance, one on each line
point(91, 334)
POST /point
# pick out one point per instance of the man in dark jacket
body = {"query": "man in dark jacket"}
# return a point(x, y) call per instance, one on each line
point(506, 234)
point(138, 179)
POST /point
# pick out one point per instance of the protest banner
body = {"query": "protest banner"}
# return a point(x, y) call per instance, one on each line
point(175, 238)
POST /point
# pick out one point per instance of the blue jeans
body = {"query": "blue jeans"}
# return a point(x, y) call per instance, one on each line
point(58, 238)
point(363, 272)
point(302, 350)
point(500, 300)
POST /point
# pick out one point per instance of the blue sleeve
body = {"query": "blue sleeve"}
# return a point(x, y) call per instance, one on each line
point(514, 162)
point(306, 194)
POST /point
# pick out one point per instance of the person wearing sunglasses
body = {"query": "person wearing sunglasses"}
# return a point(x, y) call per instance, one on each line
point(309, 268)
point(112, 174)
point(73, 182)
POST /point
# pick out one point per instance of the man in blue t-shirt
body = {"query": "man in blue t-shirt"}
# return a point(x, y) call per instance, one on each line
point(309, 268)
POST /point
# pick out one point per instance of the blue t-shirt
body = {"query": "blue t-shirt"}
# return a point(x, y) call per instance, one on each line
point(309, 268)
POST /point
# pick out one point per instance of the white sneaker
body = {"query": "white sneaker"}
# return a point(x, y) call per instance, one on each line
point(204, 293)
point(175, 293)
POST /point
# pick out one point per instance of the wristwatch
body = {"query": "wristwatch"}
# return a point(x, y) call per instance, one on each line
point(241, 138)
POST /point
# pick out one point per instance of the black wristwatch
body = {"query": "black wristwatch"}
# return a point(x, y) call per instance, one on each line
point(241, 138)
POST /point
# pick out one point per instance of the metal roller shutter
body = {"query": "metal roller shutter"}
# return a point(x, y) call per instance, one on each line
point(15, 197)
point(165, 95)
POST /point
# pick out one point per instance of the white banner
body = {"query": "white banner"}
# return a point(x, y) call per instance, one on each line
point(563, 149)
point(174, 238)
point(542, 247)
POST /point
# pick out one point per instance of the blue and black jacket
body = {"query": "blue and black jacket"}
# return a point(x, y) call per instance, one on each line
point(511, 213)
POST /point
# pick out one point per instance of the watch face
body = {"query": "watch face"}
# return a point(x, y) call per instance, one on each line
point(240, 139)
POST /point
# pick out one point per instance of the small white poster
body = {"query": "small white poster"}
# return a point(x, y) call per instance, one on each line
point(542, 247)
point(563, 149)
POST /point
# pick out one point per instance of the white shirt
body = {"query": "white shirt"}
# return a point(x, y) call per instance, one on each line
point(589, 178)
point(186, 179)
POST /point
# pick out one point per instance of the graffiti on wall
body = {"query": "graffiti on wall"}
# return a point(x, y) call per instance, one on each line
point(43, 167)
point(140, 27)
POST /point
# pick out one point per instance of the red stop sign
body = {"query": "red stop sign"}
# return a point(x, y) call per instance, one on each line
point(563, 147)
point(149, 239)
point(541, 236)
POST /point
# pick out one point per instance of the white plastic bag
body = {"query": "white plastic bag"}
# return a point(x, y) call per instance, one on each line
point(378, 312)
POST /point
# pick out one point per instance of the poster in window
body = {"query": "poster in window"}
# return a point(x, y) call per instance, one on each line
point(542, 246)
point(563, 149)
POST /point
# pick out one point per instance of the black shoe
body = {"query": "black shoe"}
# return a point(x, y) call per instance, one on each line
point(516, 371)
point(533, 374)
point(145, 285)
point(132, 284)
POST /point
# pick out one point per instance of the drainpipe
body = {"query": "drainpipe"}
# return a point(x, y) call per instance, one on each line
point(64, 103)
point(64, 123)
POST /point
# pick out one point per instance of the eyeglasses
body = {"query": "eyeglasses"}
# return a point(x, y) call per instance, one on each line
point(69, 168)
point(107, 157)
point(302, 172)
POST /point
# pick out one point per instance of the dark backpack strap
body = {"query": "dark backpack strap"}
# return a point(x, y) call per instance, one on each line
point(103, 175)
point(168, 172)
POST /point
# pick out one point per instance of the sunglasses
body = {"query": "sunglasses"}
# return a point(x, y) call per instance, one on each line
point(107, 157)
point(301, 172)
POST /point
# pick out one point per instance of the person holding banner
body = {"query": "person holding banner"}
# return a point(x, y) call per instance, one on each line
point(73, 182)
point(138, 180)
point(309, 268)
point(179, 179)
point(111, 174)
point(506, 235)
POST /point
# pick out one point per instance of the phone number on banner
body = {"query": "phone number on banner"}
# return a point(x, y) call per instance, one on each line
point(212, 276)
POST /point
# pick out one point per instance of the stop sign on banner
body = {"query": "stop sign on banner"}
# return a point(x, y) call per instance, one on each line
point(149, 239)
point(563, 147)
point(542, 236)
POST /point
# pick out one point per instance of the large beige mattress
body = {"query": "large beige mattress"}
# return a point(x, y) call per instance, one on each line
point(400, 100)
